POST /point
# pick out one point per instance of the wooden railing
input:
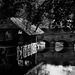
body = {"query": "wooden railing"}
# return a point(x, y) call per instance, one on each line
point(33, 69)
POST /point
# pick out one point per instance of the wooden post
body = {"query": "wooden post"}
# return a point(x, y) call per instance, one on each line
point(36, 53)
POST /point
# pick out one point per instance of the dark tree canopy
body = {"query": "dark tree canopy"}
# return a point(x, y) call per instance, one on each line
point(61, 10)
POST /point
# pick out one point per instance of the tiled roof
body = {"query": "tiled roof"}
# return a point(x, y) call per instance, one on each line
point(8, 24)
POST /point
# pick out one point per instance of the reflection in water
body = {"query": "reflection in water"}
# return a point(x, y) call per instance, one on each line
point(56, 70)
point(48, 69)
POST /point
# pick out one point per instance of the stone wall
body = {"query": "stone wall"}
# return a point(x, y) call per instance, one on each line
point(51, 55)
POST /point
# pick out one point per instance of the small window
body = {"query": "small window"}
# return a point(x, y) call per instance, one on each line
point(20, 32)
point(8, 35)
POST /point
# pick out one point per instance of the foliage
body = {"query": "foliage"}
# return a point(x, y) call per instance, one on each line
point(33, 11)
